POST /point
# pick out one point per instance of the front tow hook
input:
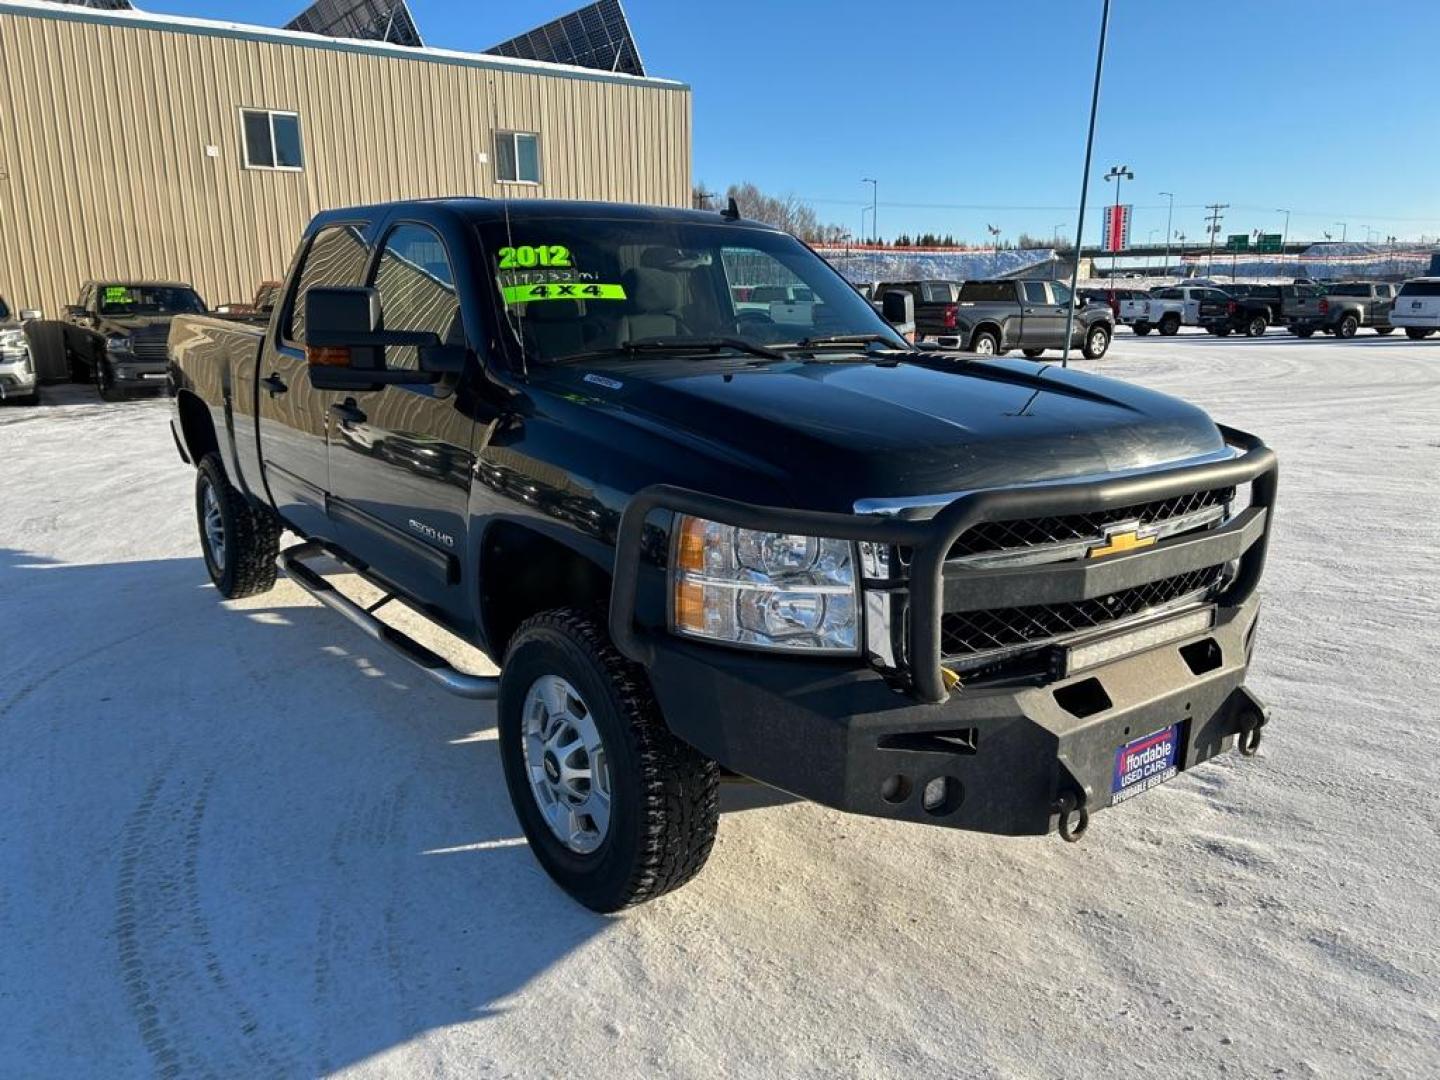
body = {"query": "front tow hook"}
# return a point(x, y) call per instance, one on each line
point(1074, 816)
point(1252, 721)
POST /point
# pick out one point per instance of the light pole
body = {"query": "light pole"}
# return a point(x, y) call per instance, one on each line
point(1117, 173)
point(874, 205)
point(1169, 218)
point(1285, 235)
point(1344, 229)
point(863, 211)
point(1149, 243)
point(1085, 184)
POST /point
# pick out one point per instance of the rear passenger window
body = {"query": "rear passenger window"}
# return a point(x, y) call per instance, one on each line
point(1035, 292)
point(337, 256)
point(417, 291)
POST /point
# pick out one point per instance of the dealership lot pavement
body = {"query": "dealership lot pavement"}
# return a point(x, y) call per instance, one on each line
point(236, 839)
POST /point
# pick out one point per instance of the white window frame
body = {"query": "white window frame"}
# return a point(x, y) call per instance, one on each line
point(270, 115)
point(512, 135)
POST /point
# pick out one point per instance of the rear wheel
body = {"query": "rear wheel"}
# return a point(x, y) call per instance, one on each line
point(240, 542)
point(1347, 326)
point(984, 344)
point(1170, 325)
point(616, 809)
point(1417, 333)
point(1142, 328)
point(1097, 343)
point(1257, 326)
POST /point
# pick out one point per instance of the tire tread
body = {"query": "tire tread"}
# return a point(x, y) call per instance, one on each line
point(254, 541)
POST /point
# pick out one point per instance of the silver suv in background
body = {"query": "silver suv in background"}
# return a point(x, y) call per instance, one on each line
point(18, 380)
point(1417, 308)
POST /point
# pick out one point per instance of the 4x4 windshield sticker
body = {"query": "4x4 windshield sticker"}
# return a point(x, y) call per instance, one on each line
point(561, 290)
point(116, 294)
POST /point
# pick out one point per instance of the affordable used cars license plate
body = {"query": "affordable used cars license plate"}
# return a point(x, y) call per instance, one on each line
point(1145, 763)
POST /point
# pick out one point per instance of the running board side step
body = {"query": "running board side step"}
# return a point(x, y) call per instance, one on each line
point(460, 683)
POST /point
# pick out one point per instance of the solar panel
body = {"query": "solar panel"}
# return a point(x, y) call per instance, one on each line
point(101, 5)
point(595, 36)
point(368, 20)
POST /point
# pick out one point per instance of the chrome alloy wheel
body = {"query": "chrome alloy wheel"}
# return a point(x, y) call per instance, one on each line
point(214, 527)
point(1098, 342)
point(566, 762)
point(984, 346)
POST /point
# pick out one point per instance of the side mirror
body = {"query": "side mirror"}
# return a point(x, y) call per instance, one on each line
point(897, 306)
point(345, 348)
point(27, 314)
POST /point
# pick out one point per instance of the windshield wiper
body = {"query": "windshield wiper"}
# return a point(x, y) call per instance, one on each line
point(709, 346)
point(841, 339)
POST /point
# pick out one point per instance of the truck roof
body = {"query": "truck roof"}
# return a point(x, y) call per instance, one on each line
point(487, 210)
point(144, 283)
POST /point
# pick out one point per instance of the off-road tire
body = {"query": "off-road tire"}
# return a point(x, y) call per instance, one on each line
point(664, 808)
point(1097, 343)
point(252, 536)
point(983, 336)
point(1417, 333)
point(1032, 353)
point(1257, 326)
point(1170, 325)
point(1347, 327)
point(1141, 328)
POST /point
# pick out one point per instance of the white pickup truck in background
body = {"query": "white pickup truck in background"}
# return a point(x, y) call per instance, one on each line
point(1417, 308)
point(1167, 309)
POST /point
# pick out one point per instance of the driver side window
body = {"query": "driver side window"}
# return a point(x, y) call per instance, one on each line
point(417, 291)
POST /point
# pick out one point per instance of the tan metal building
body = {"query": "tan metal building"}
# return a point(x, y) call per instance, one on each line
point(146, 146)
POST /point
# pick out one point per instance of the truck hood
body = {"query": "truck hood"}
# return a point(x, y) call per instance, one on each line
point(831, 433)
point(114, 324)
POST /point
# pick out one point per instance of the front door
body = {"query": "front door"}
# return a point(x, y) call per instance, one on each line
point(291, 412)
point(1044, 323)
point(401, 457)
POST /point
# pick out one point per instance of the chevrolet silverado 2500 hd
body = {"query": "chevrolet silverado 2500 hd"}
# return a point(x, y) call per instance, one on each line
point(701, 539)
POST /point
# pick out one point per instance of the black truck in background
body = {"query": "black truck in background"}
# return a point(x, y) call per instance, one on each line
point(1245, 309)
point(994, 317)
point(115, 333)
point(700, 538)
point(936, 305)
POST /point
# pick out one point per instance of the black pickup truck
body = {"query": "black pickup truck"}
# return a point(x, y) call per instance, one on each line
point(706, 541)
point(1243, 309)
point(114, 334)
point(994, 317)
point(935, 305)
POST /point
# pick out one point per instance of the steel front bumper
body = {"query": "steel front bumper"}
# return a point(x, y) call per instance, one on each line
point(990, 760)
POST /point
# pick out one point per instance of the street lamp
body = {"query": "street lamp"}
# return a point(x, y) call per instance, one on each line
point(874, 204)
point(1117, 173)
point(1169, 218)
point(863, 211)
point(1149, 243)
point(1344, 228)
point(1285, 235)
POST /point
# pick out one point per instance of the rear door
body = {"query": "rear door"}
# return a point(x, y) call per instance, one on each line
point(290, 413)
point(401, 457)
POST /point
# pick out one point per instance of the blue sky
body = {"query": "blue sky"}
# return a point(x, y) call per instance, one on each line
point(973, 112)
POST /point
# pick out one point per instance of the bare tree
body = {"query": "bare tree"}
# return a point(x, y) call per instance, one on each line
point(787, 212)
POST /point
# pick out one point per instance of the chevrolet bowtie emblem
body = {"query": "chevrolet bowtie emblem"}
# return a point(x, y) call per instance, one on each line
point(1121, 538)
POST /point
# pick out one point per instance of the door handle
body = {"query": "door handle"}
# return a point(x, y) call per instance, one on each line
point(1028, 311)
point(347, 412)
point(274, 384)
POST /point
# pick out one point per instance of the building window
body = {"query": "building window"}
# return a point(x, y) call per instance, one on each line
point(272, 139)
point(517, 157)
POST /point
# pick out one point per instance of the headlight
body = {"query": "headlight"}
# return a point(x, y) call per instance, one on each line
point(117, 344)
point(761, 589)
point(13, 341)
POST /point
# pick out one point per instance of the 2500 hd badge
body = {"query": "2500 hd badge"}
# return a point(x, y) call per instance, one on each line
point(710, 537)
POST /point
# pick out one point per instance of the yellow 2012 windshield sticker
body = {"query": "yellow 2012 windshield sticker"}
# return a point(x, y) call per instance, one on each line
point(561, 290)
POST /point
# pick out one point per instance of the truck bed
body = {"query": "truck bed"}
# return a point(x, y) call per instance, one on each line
point(209, 348)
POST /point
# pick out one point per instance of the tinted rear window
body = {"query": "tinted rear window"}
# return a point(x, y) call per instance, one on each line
point(1420, 288)
point(1349, 290)
point(987, 290)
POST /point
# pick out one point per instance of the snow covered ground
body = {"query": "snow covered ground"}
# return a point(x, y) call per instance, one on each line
point(236, 839)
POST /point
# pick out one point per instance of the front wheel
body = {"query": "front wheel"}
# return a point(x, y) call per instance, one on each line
point(1256, 327)
point(1417, 333)
point(616, 808)
point(1141, 328)
point(1170, 325)
point(105, 387)
point(240, 542)
point(1097, 343)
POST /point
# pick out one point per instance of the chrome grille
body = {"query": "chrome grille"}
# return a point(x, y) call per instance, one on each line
point(969, 634)
point(993, 536)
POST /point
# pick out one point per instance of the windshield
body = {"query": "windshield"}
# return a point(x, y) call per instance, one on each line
point(125, 300)
point(573, 286)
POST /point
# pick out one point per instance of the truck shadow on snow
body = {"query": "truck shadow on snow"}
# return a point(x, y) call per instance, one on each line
point(307, 855)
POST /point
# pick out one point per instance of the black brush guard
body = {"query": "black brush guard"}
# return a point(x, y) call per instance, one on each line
point(935, 588)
